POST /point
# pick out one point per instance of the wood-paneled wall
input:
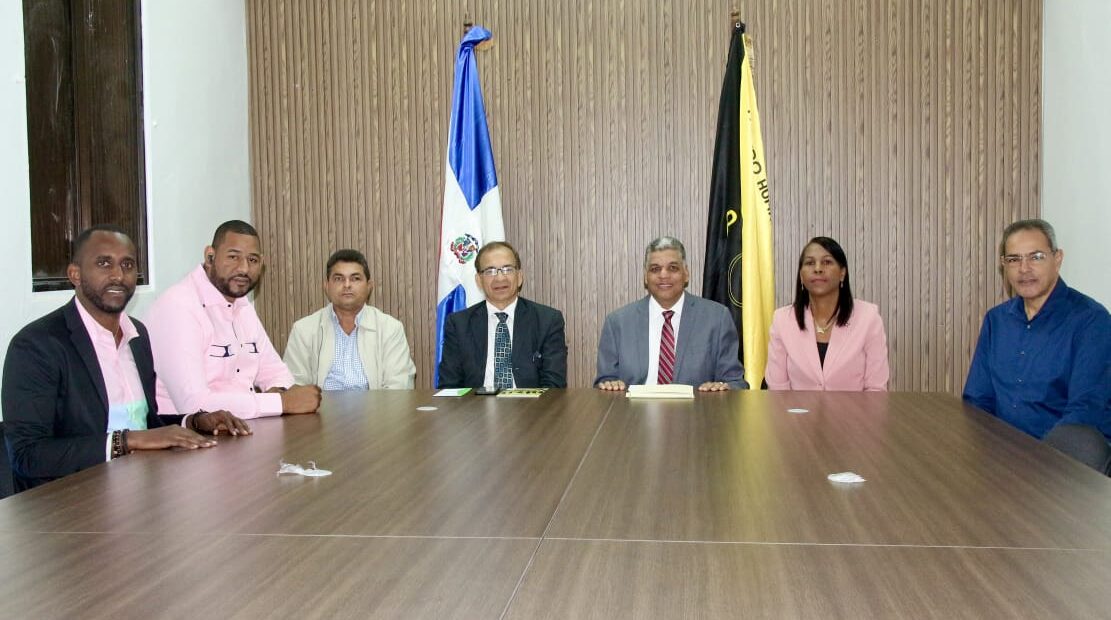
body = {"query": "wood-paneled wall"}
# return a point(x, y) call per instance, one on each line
point(909, 131)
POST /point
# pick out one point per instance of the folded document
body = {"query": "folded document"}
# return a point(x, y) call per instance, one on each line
point(521, 392)
point(671, 390)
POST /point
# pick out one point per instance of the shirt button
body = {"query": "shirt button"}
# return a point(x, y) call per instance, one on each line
point(236, 370)
point(1022, 352)
point(1020, 380)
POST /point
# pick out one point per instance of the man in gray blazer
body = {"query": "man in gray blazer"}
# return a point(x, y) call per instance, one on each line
point(670, 336)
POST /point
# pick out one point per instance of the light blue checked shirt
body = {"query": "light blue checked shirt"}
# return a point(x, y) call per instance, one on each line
point(346, 372)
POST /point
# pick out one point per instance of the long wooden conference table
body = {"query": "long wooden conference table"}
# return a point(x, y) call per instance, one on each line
point(579, 504)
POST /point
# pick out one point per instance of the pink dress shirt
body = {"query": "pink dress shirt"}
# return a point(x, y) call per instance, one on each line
point(127, 403)
point(855, 361)
point(211, 354)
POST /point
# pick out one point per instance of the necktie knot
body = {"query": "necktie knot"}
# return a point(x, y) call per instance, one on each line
point(668, 314)
point(502, 316)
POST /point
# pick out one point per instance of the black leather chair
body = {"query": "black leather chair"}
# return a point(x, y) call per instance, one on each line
point(5, 467)
point(1083, 443)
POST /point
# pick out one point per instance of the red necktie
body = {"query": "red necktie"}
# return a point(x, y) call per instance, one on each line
point(667, 351)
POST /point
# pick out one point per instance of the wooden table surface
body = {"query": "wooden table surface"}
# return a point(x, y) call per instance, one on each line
point(575, 505)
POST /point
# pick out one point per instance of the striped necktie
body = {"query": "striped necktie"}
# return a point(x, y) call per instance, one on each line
point(667, 351)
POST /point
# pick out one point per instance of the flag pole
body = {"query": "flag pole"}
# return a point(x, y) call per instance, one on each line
point(740, 212)
point(471, 214)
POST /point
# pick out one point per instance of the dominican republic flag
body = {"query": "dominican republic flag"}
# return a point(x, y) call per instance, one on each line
point(472, 203)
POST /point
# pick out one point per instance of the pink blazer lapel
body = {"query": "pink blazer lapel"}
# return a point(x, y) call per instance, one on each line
point(838, 340)
point(845, 340)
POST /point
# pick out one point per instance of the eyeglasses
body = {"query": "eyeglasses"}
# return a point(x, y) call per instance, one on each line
point(1015, 260)
point(490, 272)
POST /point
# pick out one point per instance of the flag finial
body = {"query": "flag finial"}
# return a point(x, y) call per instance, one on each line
point(482, 46)
point(735, 19)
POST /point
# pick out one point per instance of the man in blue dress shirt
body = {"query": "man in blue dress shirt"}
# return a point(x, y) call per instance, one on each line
point(1043, 360)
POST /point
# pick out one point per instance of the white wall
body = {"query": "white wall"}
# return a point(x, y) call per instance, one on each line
point(15, 236)
point(1076, 138)
point(198, 154)
point(195, 83)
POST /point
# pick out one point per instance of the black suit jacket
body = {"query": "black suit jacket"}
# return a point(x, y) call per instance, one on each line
point(54, 399)
point(539, 347)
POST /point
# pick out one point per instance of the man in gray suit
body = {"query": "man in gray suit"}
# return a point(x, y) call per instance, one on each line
point(669, 336)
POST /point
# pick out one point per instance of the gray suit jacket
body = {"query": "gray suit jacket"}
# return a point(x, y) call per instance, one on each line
point(705, 350)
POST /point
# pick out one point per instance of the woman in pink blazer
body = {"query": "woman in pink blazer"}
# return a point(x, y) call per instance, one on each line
point(826, 340)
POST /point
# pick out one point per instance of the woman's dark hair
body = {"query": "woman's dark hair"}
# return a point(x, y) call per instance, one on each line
point(844, 308)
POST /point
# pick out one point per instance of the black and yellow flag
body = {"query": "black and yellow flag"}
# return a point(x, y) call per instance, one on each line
point(739, 261)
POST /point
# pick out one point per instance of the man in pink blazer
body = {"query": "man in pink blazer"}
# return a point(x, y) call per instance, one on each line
point(826, 340)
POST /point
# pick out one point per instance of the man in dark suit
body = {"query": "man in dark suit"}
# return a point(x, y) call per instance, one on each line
point(670, 336)
point(506, 341)
point(78, 385)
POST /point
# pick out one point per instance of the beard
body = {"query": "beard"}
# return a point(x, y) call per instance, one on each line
point(97, 297)
point(224, 285)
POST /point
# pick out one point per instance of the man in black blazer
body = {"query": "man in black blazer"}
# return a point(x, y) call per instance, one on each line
point(506, 341)
point(62, 412)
